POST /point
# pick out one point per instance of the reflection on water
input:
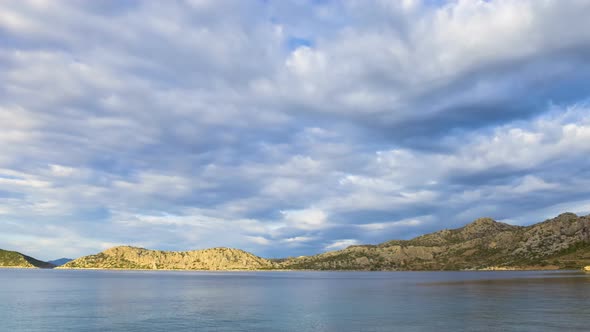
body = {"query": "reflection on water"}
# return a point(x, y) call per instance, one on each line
point(61, 300)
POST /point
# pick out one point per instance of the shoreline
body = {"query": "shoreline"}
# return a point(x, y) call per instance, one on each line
point(487, 269)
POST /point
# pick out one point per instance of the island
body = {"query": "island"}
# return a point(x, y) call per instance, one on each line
point(562, 242)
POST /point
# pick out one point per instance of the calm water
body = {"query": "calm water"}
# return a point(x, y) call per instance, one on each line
point(59, 300)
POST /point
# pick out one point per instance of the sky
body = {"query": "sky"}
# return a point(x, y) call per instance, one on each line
point(286, 128)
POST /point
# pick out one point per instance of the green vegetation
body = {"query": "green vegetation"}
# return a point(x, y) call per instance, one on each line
point(16, 259)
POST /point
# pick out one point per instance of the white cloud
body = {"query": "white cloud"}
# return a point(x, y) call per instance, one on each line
point(259, 240)
point(306, 62)
point(298, 239)
point(153, 183)
point(59, 170)
point(307, 219)
point(341, 244)
point(379, 226)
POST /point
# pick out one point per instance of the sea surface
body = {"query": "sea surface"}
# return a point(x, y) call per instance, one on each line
point(92, 300)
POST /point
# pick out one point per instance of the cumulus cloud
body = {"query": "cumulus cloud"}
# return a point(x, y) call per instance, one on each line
point(341, 244)
point(307, 219)
point(286, 128)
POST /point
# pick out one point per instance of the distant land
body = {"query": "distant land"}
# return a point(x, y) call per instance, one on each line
point(559, 243)
point(60, 261)
point(16, 259)
point(125, 257)
point(485, 244)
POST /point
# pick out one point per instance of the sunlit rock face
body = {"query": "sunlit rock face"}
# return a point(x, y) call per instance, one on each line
point(126, 257)
point(561, 242)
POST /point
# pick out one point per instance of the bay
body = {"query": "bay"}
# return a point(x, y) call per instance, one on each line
point(97, 300)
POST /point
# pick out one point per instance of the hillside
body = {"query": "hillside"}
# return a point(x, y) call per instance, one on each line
point(16, 259)
point(126, 257)
point(562, 242)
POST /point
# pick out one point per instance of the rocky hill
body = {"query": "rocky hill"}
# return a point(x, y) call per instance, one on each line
point(562, 242)
point(126, 257)
point(16, 259)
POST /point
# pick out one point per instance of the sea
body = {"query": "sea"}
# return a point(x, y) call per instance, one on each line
point(97, 300)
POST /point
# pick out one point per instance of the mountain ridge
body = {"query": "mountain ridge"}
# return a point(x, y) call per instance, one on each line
point(560, 242)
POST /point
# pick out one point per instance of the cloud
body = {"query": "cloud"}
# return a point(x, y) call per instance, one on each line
point(341, 244)
point(307, 219)
point(259, 240)
point(285, 128)
point(298, 239)
point(380, 226)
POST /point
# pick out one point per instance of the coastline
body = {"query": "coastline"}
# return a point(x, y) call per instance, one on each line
point(487, 269)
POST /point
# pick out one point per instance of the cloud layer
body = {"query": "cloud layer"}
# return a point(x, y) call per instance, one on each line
point(286, 128)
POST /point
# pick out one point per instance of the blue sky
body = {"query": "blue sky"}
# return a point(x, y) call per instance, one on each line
point(286, 127)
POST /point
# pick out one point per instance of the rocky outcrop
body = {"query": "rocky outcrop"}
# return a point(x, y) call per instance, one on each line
point(18, 260)
point(484, 244)
point(126, 257)
point(562, 242)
